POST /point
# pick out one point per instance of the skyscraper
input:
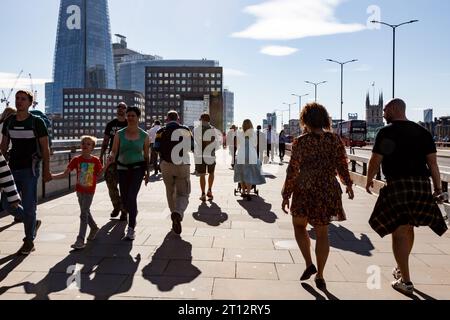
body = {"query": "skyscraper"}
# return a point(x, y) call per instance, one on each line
point(83, 53)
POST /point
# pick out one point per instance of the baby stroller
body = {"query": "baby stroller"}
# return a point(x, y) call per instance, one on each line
point(255, 190)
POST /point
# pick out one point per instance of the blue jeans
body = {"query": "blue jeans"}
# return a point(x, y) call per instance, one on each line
point(26, 181)
point(130, 182)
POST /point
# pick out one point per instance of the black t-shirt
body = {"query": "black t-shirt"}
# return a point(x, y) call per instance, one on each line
point(404, 146)
point(24, 137)
point(112, 128)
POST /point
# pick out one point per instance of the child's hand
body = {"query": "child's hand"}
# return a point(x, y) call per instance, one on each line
point(15, 205)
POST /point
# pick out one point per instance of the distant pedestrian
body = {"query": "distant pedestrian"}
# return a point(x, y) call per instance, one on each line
point(175, 166)
point(247, 170)
point(111, 174)
point(408, 156)
point(207, 139)
point(89, 169)
point(316, 158)
point(154, 155)
point(131, 154)
point(272, 143)
point(231, 143)
point(30, 149)
point(282, 146)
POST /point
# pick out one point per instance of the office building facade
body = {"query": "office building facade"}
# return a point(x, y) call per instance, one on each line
point(228, 106)
point(87, 111)
point(168, 87)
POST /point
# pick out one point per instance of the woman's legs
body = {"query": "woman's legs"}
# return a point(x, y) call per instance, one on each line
point(322, 249)
point(302, 237)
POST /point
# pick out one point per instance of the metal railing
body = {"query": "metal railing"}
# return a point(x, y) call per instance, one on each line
point(364, 161)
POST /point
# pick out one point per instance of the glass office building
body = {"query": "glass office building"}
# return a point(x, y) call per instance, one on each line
point(83, 54)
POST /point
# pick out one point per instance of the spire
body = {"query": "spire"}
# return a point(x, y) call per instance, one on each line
point(367, 100)
point(381, 99)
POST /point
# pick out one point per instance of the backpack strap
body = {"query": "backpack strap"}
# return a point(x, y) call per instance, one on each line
point(33, 126)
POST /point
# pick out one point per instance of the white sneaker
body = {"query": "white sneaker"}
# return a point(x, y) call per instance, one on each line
point(131, 235)
point(403, 287)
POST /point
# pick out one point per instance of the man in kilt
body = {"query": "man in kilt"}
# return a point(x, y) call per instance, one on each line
point(408, 157)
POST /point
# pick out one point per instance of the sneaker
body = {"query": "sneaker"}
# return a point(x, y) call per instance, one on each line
point(18, 220)
point(27, 248)
point(130, 236)
point(397, 273)
point(406, 288)
point(203, 198)
point(176, 223)
point(210, 196)
point(124, 216)
point(93, 234)
point(115, 213)
point(79, 245)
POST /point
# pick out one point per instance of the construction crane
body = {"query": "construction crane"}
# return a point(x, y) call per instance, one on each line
point(35, 103)
point(5, 98)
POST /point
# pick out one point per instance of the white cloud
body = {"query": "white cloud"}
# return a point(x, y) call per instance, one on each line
point(278, 51)
point(295, 19)
point(234, 73)
point(7, 81)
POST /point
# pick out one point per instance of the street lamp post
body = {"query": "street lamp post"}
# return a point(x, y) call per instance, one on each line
point(316, 84)
point(342, 82)
point(300, 96)
point(289, 121)
point(394, 28)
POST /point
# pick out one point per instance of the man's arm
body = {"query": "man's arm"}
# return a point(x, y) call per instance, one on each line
point(43, 141)
point(374, 167)
point(435, 173)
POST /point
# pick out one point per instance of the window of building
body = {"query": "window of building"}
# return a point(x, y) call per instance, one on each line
point(218, 75)
point(99, 96)
point(66, 96)
point(172, 75)
point(200, 75)
point(166, 75)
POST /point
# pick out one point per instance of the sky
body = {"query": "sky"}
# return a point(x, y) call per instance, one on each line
point(268, 48)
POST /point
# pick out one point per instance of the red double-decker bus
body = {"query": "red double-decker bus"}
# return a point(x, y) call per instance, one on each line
point(353, 133)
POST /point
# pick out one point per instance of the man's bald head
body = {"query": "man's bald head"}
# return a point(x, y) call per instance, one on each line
point(395, 110)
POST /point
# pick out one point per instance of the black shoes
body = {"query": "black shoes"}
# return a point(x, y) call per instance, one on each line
point(176, 223)
point(321, 284)
point(115, 213)
point(27, 248)
point(309, 272)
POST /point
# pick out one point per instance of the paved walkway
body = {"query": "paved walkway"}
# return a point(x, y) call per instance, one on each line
point(229, 249)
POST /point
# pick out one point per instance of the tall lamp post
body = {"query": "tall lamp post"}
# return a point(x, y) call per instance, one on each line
point(394, 28)
point(289, 121)
point(315, 84)
point(342, 82)
point(300, 96)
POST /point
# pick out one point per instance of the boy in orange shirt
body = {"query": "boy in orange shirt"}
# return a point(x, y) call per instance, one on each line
point(88, 168)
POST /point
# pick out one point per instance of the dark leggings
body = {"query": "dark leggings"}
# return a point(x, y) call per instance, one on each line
point(130, 182)
point(282, 147)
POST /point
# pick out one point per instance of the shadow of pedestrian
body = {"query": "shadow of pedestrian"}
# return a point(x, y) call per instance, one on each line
point(7, 227)
point(211, 215)
point(87, 271)
point(423, 295)
point(259, 209)
point(342, 238)
point(13, 261)
point(179, 268)
point(315, 293)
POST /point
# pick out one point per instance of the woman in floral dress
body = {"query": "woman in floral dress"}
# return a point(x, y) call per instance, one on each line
point(317, 157)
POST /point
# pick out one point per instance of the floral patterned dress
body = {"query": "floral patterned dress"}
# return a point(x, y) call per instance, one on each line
point(311, 178)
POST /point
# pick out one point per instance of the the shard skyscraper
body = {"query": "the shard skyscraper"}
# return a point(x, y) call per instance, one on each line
point(83, 53)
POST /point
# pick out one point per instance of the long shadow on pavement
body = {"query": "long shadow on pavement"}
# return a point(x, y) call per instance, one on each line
point(317, 295)
point(179, 269)
point(344, 239)
point(84, 270)
point(211, 215)
point(259, 209)
point(13, 261)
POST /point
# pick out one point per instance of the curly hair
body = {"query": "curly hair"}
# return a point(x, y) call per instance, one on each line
point(315, 116)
